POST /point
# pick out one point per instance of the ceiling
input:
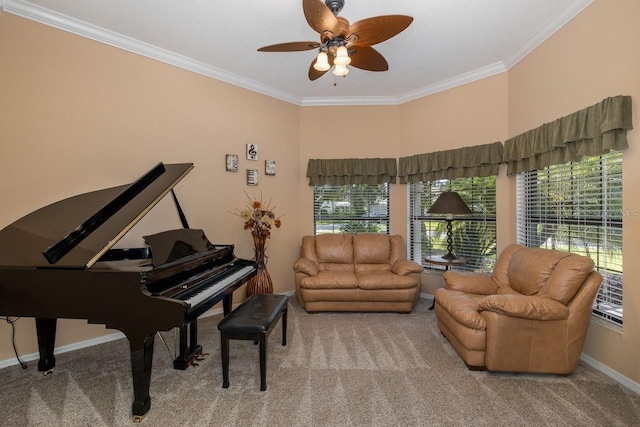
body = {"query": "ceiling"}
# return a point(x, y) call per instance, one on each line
point(449, 43)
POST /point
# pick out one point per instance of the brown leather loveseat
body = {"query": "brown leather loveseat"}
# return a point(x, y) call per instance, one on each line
point(356, 272)
point(530, 315)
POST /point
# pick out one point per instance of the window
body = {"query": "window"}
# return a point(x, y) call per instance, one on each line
point(474, 236)
point(577, 207)
point(355, 208)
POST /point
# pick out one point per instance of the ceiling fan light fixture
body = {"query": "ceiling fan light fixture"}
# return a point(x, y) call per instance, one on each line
point(322, 62)
point(342, 57)
point(340, 70)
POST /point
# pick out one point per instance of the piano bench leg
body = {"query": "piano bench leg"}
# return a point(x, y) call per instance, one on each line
point(225, 360)
point(263, 362)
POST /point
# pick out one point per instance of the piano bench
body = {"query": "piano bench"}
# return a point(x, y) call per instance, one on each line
point(253, 320)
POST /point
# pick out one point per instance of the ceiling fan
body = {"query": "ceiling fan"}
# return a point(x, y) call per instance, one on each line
point(342, 44)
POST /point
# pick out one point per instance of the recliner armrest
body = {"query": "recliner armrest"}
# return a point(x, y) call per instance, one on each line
point(525, 307)
point(402, 267)
point(305, 265)
point(470, 282)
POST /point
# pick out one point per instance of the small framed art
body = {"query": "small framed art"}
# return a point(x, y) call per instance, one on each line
point(252, 151)
point(269, 167)
point(252, 177)
point(232, 162)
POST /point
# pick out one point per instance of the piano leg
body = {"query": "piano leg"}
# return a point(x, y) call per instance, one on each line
point(141, 360)
point(227, 304)
point(46, 330)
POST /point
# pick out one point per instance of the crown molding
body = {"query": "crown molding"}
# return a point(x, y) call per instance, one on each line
point(342, 101)
point(462, 79)
point(75, 26)
point(48, 17)
point(557, 22)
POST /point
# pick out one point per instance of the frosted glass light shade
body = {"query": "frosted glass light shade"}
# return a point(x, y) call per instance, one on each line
point(340, 71)
point(322, 62)
point(342, 57)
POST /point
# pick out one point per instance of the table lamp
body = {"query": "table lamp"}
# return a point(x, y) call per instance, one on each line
point(449, 203)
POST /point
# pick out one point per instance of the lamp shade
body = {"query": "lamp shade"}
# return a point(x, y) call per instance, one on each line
point(342, 56)
point(340, 70)
point(322, 63)
point(450, 202)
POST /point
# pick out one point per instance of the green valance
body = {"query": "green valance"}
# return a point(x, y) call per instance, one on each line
point(478, 160)
point(593, 131)
point(351, 171)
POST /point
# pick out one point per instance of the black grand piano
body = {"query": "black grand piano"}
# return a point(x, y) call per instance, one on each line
point(59, 262)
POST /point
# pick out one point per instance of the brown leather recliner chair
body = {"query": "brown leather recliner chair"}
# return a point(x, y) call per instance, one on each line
point(530, 315)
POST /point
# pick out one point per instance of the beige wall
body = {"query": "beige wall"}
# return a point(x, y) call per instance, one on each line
point(71, 100)
point(594, 56)
point(472, 114)
point(76, 116)
point(346, 132)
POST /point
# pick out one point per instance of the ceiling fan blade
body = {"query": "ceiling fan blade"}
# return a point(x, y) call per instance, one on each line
point(375, 30)
point(367, 58)
point(315, 74)
point(289, 47)
point(320, 18)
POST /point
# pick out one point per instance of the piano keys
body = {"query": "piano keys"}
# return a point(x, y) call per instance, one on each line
point(59, 262)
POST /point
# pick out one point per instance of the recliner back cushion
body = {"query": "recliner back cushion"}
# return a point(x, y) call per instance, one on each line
point(501, 269)
point(567, 278)
point(370, 248)
point(334, 248)
point(530, 269)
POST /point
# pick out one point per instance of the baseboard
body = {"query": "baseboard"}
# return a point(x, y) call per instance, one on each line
point(95, 341)
point(616, 376)
point(424, 295)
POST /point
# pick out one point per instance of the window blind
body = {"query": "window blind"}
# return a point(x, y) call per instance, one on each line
point(355, 208)
point(474, 236)
point(577, 207)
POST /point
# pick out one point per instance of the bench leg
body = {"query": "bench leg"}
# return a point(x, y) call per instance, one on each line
point(284, 326)
point(263, 362)
point(224, 346)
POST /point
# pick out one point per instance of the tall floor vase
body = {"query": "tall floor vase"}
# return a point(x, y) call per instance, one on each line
point(260, 283)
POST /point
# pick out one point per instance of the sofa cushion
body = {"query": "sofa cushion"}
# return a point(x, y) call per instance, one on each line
point(567, 278)
point(525, 307)
point(370, 248)
point(384, 280)
point(462, 306)
point(334, 248)
point(404, 267)
point(331, 280)
point(530, 269)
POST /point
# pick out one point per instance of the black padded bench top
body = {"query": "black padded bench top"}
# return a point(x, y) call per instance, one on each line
point(255, 315)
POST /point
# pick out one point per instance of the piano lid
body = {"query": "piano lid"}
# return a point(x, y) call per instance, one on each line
point(76, 232)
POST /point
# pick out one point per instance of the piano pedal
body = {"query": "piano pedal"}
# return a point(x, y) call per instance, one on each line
point(204, 354)
point(45, 373)
point(138, 418)
point(194, 364)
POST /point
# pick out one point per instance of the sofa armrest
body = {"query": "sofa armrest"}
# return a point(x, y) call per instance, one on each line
point(525, 307)
point(403, 267)
point(470, 282)
point(305, 265)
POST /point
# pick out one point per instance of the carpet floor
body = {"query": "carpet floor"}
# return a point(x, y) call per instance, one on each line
point(338, 369)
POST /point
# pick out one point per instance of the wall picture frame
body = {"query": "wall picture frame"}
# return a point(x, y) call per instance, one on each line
point(232, 162)
point(252, 151)
point(252, 177)
point(269, 167)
